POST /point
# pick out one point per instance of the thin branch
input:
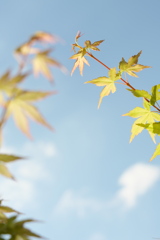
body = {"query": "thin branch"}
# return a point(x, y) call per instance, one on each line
point(126, 83)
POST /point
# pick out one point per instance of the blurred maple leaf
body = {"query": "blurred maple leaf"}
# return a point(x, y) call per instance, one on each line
point(41, 63)
point(43, 37)
point(21, 108)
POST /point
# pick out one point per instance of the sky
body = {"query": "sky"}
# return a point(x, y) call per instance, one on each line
point(85, 181)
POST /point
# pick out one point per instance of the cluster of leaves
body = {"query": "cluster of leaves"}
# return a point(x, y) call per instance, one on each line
point(148, 116)
point(32, 57)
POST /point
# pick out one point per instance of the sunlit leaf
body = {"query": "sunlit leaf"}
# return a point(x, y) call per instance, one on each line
point(92, 46)
point(26, 49)
point(4, 171)
point(41, 63)
point(35, 95)
point(43, 37)
point(152, 127)
point(140, 93)
point(9, 84)
point(80, 61)
point(131, 66)
point(108, 82)
point(156, 152)
point(144, 116)
point(155, 94)
point(22, 109)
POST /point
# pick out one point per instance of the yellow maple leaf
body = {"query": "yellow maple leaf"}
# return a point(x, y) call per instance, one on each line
point(43, 37)
point(80, 60)
point(22, 109)
point(42, 62)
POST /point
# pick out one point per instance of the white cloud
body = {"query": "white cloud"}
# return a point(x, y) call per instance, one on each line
point(17, 194)
point(97, 236)
point(29, 174)
point(72, 202)
point(135, 182)
point(46, 149)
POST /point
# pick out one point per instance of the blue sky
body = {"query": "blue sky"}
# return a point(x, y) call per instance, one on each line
point(85, 181)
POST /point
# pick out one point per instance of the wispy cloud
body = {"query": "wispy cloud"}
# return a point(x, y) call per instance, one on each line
point(73, 202)
point(28, 173)
point(97, 236)
point(134, 182)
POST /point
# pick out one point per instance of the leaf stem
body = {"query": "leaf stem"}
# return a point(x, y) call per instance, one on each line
point(126, 83)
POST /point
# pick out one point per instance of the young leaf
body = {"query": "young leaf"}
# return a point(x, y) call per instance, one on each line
point(42, 62)
point(140, 93)
point(80, 61)
point(144, 116)
point(43, 37)
point(156, 152)
point(26, 49)
point(155, 94)
point(93, 46)
point(131, 66)
point(108, 82)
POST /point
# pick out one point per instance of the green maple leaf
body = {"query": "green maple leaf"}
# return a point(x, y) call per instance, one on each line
point(152, 127)
point(6, 209)
point(108, 82)
point(140, 93)
point(41, 63)
point(155, 94)
point(9, 158)
point(131, 66)
point(93, 46)
point(144, 116)
point(156, 152)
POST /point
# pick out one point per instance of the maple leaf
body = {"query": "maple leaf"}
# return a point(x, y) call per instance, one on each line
point(5, 172)
point(26, 49)
point(144, 116)
point(140, 93)
point(5, 158)
point(43, 37)
point(93, 46)
point(108, 82)
point(80, 60)
point(41, 63)
point(79, 56)
point(131, 66)
point(21, 108)
point(156, 152)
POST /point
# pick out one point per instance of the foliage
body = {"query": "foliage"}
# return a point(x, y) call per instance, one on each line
point(32, 57)
point(148, 117)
